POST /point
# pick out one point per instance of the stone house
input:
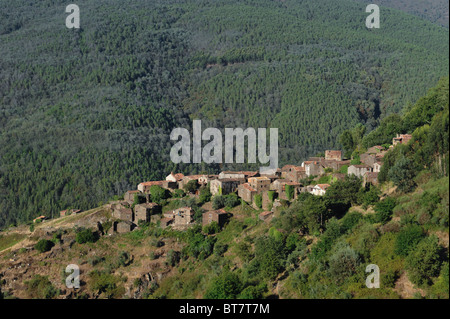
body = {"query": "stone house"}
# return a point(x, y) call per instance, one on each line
point(129, 196)
point(238, 175)
point(358, 170)
point(219, 216)
point(282, 188)
point(123, 226)
point(225, 186)
point(174, 178)
point(368, 159)
point(186, 179)
point(333, 164)
point(183, 216)
point(370, 178)
point(313, 168)
point(333, 155)
point(376, 167)
point(205, 179)
point(260, 184)
point(145, 186)
point(295, 173)
point(401, 139)
point(375, 149)
point(246, 192)
point(145, 211)
point(320, 189)
point(123, 213)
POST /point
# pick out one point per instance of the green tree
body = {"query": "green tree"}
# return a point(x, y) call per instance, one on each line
point(158, 194)
point(191, 186)
point(44, 245)
point(407, 239)
point(402, 174)
point(424, 262)
point(226, 286)
point(85, 236)
point(384, 210)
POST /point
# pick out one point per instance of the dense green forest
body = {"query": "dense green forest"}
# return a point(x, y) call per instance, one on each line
point(86, 114)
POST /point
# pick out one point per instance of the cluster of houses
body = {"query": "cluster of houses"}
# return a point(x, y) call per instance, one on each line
point(287, 183)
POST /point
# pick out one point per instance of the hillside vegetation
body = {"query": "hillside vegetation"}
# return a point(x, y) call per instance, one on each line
point(86, 114)
point(314, 247)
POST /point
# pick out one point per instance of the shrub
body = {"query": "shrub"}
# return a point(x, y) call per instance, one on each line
point(258, 200)
point(44, 245)
point(226, 286)
point(85, 236)
point(271, 195)
point(407, 239)
point(105, 283)
point(191, 186)
point(40, 287)
point(424, 262)
point(350, 220)
point(218, 202)
point(343, 263)
point(212, 228)
point(253, 292)
point(384, 210)
point(220, 249)
point(371, 197)
point(173, 258)
point(179, 193)
point(289, 192)
point(231, 200)
point(205, 194)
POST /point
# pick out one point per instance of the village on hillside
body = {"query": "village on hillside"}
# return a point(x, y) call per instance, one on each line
point(250, 186)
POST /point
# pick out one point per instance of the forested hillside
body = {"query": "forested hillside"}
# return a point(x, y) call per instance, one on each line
point(86, 114)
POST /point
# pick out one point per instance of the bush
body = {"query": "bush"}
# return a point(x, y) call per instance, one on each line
point(343, 263)
point(41, 288)
point(179, 193)
point(105, 283)
point(253, 292)
point(212, 228)
point(372, 196)
point(205, 194)
point(424, 262)
point(407, 239)
point(191, 186)
point(85, 236)
point(218, 202)
point(220, 249)
point(258, 200)
point(173, 258)
point(231, 200)
point(402, 174)
point(350, 220)
point(384, 210)
point(226, 286)
point(44, 245)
